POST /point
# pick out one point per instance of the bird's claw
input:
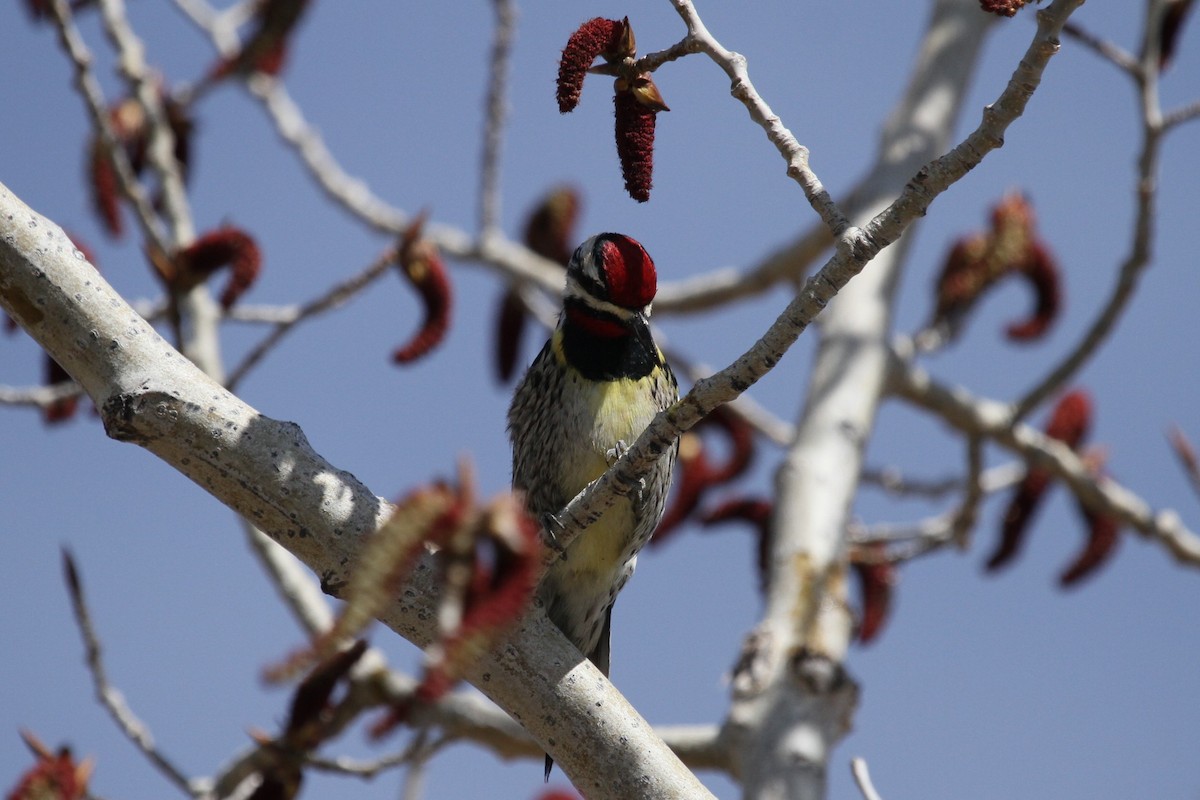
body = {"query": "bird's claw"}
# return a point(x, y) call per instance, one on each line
point(619, 449)
point(550, 529)
point(614, 455)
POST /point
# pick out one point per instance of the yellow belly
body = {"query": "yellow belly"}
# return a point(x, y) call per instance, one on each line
point(617, 412)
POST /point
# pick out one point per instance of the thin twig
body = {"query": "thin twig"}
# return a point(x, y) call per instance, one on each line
point(347, 191)
point(294, 584)
point(1179, 116)
point(1104, 48)
point(968, 510)
point(795, 154)
point(891, 480)
point(414, 779)
point(160, 150)
point(134, 729)
point(862, 777)
point(334, 296)
point(97, 107)
point(417, 751)
point(495, 108)
point(910, 540)
point(1186, 455)
point(39, 396)
point(1142, 240)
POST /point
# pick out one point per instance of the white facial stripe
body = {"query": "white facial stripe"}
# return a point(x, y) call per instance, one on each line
point(575, 289)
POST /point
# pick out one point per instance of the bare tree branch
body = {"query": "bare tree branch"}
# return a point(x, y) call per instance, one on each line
point(495, 108)
point(1122, 59)
point(109, 697)
point(332, 298)
point(995, 421)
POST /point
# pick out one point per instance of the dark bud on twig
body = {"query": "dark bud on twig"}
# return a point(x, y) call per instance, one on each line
point(1173, 19)
point(1103, 533)
point(1003, 8)
point(1069, 424)
point(510, 329)
point(877, 579)
point(550, 229)
point(266, 49)
point(421, 264)
point(979, 261)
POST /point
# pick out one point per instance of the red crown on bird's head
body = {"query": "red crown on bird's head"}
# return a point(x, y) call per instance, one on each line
point(615, 268)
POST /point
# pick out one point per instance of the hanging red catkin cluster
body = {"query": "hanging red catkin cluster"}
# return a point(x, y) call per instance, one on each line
point(1069, 423)
point(980, 261)
point(636, 99)
point(421, 264)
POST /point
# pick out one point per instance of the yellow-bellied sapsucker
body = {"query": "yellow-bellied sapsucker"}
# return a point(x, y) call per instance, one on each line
point(591, 391)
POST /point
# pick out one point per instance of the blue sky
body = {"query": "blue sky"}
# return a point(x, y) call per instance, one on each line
point(987, 686)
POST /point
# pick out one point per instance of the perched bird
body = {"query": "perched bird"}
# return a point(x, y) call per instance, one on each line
point(591, 391)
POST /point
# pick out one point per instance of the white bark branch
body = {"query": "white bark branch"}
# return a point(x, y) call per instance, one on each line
point(996, 421)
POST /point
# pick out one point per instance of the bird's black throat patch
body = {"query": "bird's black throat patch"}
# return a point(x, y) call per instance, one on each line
point(604, 347)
